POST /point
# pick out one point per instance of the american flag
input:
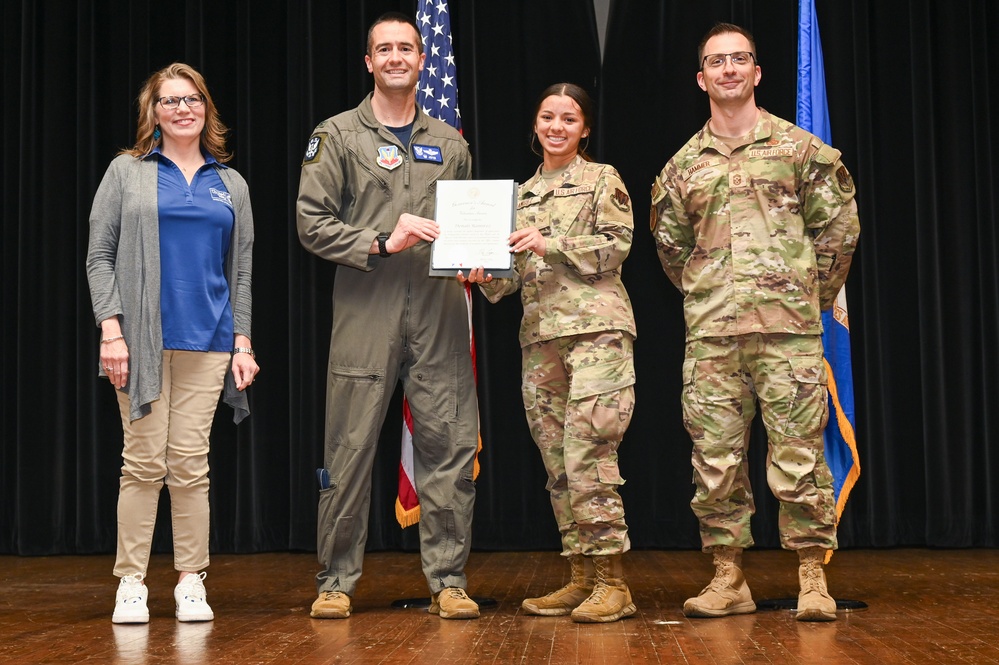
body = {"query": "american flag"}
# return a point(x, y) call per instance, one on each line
point(437, 95)
point(438, 86)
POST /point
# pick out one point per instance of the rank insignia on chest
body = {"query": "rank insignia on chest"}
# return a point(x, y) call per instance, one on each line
point(427, 153)
point(388, 157)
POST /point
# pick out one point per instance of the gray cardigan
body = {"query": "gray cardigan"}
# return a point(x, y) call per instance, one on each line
point(123, 267)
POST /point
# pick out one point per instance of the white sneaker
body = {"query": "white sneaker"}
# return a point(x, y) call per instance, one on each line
point(130, 601)
point(190, 596)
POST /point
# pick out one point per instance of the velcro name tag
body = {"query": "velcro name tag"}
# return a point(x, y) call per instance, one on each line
point(427, 153)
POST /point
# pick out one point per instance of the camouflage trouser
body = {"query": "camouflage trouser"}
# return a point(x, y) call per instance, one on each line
point(579, 395)
point(723, 377)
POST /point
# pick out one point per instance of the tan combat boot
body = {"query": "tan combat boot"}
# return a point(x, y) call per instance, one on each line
point(727, 593)
point(565, 600)
point(814, 601)
point(331, 605)
point(611, 598)
point(453, 603)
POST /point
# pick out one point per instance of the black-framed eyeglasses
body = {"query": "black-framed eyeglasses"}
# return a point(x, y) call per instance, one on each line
point(192, 101)
point(739, 59)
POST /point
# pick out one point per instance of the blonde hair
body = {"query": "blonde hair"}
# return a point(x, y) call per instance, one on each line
point(212, 136)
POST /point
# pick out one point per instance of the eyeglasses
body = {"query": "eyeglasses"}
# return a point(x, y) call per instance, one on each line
point(192, 101)
point(739, 59)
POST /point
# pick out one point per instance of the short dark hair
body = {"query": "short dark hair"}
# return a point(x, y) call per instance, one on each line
point(396, 17)
point(721, 29)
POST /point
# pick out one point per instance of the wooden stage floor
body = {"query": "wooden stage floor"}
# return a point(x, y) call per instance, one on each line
point(924, 606)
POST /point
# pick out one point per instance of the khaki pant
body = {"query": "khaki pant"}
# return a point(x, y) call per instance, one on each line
point(170, 445)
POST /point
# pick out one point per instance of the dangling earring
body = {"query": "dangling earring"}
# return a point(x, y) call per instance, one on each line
point(156, 133)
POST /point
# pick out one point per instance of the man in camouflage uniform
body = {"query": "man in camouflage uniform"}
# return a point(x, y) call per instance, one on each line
point(755, 223)
point(577, 336)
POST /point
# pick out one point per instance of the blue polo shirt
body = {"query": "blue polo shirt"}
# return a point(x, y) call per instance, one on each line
point(195, 226)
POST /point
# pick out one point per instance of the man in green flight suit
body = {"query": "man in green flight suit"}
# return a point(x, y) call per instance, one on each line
point(365, 200)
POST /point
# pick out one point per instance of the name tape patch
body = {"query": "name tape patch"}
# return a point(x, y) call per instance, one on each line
point(427, 153)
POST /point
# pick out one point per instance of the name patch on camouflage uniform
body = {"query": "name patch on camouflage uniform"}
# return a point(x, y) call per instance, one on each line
point(620, 199)
point(572, 191)
point(772, 152)
point(313, 150)
point(844, 179)
point(528, 202)
point(695, 168)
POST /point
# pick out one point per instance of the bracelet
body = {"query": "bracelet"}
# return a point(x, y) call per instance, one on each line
point(244, 349)
point(112, 339)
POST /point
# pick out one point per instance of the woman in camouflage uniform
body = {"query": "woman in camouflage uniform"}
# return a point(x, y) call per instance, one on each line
point(574, 230)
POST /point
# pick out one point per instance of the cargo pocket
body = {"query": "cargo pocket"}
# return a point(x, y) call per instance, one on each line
point(529, 393)
point(357, 392)
point(808, 408)
point(693, 411)
point(605, 397)
point(609, 472)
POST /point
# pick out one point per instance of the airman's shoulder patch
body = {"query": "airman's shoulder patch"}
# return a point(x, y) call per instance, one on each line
point(314, 150)
point(844, 179)
point(621, 199)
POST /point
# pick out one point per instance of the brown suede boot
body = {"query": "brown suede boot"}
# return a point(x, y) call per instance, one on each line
point(565, 600)
point(814, 601)
point(728, 592)
point(611, 598)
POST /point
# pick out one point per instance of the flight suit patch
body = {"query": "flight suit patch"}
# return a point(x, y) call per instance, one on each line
point(388, 157)
point(313, 150)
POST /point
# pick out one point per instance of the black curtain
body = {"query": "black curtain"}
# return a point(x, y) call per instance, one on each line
point(913, 101)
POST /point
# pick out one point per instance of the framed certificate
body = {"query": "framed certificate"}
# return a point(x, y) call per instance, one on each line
point(476, 218)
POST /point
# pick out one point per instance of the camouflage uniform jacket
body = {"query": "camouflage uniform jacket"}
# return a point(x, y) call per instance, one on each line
point(585, 216)
point(758, 239)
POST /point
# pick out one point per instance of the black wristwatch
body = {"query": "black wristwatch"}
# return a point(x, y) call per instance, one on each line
point(382, 249)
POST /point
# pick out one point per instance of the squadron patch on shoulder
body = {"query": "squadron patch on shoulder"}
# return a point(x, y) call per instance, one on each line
point(844, 179)
point(313, 150)
point(621, 200)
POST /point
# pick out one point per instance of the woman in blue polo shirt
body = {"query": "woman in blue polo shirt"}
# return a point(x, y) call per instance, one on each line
point(169, 261)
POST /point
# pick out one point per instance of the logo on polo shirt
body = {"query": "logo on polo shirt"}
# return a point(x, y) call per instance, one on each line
point(219, 195)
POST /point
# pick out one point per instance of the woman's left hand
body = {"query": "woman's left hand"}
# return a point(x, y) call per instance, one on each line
point(244, 365)
point(244, 369)
point(528, 239)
